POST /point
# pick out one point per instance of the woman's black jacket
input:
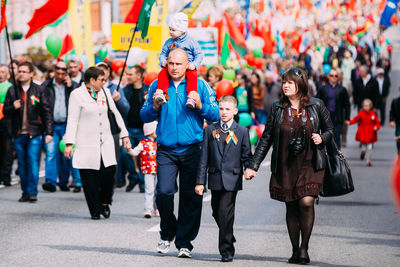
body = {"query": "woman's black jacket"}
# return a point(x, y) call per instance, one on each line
point(321, 123)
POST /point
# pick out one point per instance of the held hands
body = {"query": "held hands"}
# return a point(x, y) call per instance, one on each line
point(199, 189)
point(196, 97)
point(157, 92)
point(316, 138)
point(68, 151)
point(49, 138)
point(127, 143)
point(347, 122)
point(392, 124)
point(249, 174)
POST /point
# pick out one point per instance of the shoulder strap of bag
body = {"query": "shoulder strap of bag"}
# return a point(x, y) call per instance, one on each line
point(108, 105)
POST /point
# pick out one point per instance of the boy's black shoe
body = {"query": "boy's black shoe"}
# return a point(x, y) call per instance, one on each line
point(24, 198)
point(49, 187)
point(227, 258)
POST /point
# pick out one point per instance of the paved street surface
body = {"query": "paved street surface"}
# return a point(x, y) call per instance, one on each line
point(359, 229)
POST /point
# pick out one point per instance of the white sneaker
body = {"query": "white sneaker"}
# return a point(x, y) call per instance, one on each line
point(184, 253)
point(163, 246)
point(160, 99)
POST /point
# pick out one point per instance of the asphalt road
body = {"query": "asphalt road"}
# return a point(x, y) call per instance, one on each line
point(359, 229)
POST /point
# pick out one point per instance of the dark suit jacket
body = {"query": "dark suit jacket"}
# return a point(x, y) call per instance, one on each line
point(370, 90)
point(225, 166)
point(395, 111)
point(342, 108)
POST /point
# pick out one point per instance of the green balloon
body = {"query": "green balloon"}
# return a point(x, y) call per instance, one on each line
point(103, 52)
point(53, 44)
point(229, 74)
point(245, 119)
point(253, 136)
point(257, 53)
point(62, 145)
point(249, 67)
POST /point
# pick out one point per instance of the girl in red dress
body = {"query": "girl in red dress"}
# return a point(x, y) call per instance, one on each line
point(368, 126)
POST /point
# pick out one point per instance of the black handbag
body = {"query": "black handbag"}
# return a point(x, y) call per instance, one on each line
point(111, 117)
point(337, 179)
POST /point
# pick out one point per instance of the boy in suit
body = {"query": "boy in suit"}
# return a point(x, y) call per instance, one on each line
point(225, 151)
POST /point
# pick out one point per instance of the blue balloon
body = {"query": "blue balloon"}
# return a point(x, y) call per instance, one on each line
point(326, 68)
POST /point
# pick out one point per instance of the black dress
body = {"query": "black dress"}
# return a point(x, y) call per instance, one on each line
point(295, 177)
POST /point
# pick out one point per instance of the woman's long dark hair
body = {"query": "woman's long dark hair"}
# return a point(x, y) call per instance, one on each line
point(299, 77)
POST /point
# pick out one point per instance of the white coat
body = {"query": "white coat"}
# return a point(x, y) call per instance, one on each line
point(88, 128)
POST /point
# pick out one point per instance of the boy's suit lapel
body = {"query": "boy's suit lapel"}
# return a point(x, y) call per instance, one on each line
point(217, 126)
point(228, 146)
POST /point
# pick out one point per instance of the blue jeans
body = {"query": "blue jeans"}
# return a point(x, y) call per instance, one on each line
point(57, 165)
point(126, 163)
point(28, 155)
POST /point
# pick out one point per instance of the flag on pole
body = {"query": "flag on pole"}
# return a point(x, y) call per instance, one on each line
point(191, 7)
point(143, 21)
point(225, 50)
point(388, 12)
point(3, 19)
point(133, 14)
point(4, 86)
point(236, 37)
point(47, 14)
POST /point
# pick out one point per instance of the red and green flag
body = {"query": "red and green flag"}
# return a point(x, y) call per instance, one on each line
point(236, 36)
point(47, 14)
point(67, 46)
point(3, 19)
point(143, 21)
point(225, 50)
point(133, 14)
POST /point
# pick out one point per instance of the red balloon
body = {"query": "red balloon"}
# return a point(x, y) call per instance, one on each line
point(251, 60)
point(202, 69)
point(150, 77)
point(258, 63)
point(117, 64)
point(260, 130)
point(224, 87)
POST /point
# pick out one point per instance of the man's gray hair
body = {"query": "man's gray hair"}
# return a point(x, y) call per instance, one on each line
point(73, 59)
point(4, 66)
point(365, 68)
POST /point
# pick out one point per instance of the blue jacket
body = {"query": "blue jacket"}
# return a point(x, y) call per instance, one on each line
point(179, 126)
point(188, 44)
point(122, 104)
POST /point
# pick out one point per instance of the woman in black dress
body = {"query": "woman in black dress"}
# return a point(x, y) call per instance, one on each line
point(298, 129)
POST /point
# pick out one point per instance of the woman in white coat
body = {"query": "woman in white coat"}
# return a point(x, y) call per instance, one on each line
point(88, 128)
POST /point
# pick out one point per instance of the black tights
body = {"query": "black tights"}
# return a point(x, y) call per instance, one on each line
point(300, 219)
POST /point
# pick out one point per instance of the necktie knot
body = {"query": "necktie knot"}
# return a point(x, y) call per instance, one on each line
point(224, 126)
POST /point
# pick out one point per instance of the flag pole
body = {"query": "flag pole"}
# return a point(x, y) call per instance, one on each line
point(11, 59)
point(126, 58)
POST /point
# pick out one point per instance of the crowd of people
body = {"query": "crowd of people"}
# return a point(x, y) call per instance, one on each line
point(102, 135)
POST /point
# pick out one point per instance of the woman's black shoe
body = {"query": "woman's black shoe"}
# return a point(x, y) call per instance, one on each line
point(304, 261)
point(95, 217)
point(106, 212)
point(295, 257)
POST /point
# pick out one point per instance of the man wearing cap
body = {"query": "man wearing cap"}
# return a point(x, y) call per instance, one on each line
point(384, 86)
point(58, 90)
point(179, 137)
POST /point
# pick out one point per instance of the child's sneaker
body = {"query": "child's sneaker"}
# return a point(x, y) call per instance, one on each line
point(147, 214)
point(190, 103)
point(369, 164)
point(160, 99)
point(362, 156)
